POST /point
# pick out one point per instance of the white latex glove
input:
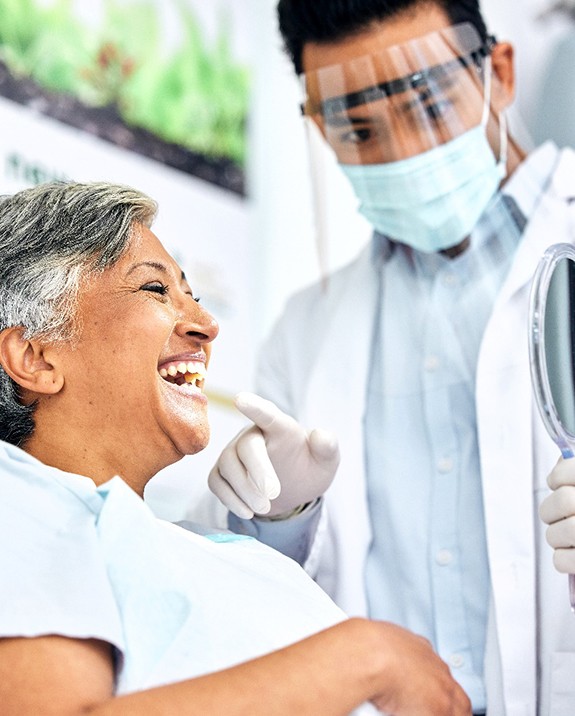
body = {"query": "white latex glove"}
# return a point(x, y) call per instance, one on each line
point(558, 511)
point(273, 466)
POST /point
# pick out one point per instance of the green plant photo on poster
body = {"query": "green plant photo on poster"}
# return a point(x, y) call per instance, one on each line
point(185, 105)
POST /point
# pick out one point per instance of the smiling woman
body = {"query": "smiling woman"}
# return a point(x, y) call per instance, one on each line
point(106, 609)
point(113, 283)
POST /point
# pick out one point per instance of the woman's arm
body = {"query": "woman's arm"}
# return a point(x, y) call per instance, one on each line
point(329, 673)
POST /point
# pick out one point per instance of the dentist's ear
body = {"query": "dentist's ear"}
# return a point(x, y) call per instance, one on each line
point(503, 87)
point(27, 362)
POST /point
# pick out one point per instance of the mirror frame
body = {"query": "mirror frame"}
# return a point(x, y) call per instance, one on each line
point(564, 439)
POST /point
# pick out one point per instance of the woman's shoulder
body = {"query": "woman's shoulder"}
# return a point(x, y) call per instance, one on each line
point(53, 577)
point(33, 495)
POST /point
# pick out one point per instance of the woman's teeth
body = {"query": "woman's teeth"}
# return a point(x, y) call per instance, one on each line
point(190, 374)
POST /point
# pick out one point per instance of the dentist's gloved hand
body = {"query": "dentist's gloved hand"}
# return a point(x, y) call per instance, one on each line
point(274, 466)
point(558, 511)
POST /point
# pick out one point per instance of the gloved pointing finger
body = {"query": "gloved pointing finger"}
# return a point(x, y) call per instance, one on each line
point(273, 460)
point(260, 411)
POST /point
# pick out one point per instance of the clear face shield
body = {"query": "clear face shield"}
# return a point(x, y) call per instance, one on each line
point(404, 100)
point(408, 127)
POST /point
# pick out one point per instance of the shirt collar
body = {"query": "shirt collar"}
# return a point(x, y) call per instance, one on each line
point(84, 488)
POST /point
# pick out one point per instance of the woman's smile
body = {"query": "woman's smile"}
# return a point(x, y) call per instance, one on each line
point(186, 372)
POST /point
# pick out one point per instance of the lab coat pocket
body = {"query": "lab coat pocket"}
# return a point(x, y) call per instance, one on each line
point(562, 697)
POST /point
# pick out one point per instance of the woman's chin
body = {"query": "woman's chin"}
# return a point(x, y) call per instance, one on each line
point(186, 417)
point(192, 437)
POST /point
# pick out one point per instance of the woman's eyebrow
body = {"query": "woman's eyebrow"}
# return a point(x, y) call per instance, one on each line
point(155, 265)
point(151, 264)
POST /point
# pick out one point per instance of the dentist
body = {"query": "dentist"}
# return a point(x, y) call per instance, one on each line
point(415, 354)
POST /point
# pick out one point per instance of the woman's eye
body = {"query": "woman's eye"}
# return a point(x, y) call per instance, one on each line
point(155, 287)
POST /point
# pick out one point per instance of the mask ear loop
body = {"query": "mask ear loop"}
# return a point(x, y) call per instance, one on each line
point(503, 140)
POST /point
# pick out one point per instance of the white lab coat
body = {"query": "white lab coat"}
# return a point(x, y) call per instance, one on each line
point(315, 367)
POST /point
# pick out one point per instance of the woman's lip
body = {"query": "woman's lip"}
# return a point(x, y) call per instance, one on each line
point(186, 392)
point(199, 357)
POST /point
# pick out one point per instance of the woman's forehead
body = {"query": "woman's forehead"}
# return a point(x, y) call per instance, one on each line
point(146, 248)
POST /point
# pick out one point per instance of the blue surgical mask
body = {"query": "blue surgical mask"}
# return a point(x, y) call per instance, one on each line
point(433, 200)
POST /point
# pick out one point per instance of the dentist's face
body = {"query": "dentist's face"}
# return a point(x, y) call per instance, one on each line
point(399, 88)
point(134, 379)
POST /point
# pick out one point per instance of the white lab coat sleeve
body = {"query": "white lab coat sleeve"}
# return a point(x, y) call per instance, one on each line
point(272, 378)
point(304, 368)
point(288, 354)
point(284, 366)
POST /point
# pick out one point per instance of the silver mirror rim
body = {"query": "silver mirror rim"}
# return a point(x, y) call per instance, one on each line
point(564, 439)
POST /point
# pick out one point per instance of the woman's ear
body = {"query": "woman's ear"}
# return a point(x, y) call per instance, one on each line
point(26, 362)
point(503, 68)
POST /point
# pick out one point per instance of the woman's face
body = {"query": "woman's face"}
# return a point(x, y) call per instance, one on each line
point(133, 381)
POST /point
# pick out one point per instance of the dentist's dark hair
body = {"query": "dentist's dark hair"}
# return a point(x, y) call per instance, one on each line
point(302, 21)
point(52, 238)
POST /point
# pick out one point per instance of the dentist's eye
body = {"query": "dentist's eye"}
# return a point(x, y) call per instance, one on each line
point(357, 136)
point(155, 287)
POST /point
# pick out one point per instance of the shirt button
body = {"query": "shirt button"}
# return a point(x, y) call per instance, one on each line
point(431, 363)
point(456, 661)
point(443, 557)
point(450, 279)
point(445, 465)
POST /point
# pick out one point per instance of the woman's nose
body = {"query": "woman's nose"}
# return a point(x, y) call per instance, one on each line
point(199, 323)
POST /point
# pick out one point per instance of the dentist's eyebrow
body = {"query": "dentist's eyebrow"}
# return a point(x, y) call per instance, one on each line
point(345, 120)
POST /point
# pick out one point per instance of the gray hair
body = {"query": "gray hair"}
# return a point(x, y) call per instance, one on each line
point(52, 238)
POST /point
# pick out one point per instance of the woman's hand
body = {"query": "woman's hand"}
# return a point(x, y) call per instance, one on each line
point(412, 680)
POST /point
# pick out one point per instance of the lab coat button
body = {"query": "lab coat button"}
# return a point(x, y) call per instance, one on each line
point(456, 661)
point(431, 363)
point(443, 557)
point(450, 279)
point(445, 465)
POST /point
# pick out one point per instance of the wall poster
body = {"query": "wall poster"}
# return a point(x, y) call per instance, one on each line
point(155, 94)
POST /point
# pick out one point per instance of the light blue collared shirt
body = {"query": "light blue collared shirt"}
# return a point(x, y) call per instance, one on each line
point(427, 567)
